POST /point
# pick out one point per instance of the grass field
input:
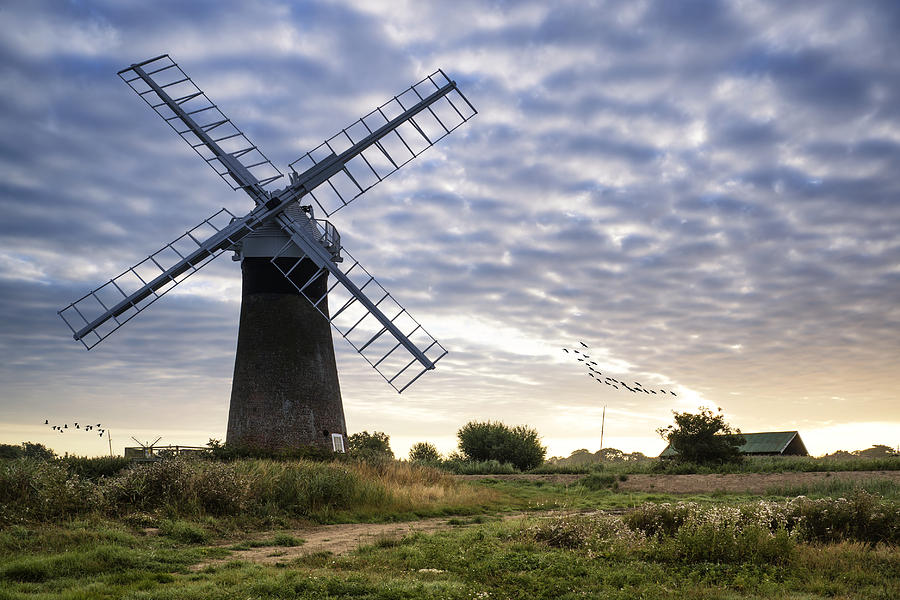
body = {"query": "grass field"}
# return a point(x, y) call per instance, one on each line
point(187, 532)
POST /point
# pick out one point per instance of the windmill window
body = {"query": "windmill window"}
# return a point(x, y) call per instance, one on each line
point(337, 442)
point(324, 433)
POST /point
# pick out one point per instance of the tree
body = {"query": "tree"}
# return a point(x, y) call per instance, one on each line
point(36, 450)
point(876, 451)
point(364, 445)
point(519, 445)
point(424, 452)
point(703, 438)
point(27, 450)
point(10, 451)
point(610, 455)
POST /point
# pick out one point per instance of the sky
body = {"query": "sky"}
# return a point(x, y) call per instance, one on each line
point(705, 193)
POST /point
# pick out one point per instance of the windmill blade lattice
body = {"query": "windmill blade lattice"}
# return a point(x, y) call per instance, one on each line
point(384, 140)
point(168, 90)
point(360, 308)
point(333, 174)
point(94, 316)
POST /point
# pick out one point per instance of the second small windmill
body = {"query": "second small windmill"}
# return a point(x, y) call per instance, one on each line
point(285, 391)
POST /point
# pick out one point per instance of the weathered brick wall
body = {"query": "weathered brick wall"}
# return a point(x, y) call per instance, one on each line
point(285, 392)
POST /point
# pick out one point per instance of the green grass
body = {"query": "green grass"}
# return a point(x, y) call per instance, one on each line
point(138, 533)
point(490, 560)
point(721, 553)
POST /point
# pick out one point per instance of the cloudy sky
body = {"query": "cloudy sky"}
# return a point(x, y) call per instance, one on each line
point(704, 192)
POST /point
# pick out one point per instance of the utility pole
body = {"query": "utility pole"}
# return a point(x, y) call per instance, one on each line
point(602, 426)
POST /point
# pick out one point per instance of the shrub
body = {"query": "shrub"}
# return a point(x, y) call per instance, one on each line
point(10, 451)
point(179, 485)
point(424, 452)
point(39, 489)
point(27, 450)
point(370, 446)
point(862, 517)
point(687, 532)
point(598, 481)
point(97, 467)
point(184, 532)
point(593, 533)
point(571, 532)
point(519, 445)
point(705, 541)
point(703, 438)
point(231, 452)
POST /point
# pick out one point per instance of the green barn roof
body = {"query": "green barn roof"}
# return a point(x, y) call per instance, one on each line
point(769, 442)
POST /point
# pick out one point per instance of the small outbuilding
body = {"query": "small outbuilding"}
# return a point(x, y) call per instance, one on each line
point(769, 443)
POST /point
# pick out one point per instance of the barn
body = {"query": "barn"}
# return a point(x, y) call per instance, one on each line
point(768, 443)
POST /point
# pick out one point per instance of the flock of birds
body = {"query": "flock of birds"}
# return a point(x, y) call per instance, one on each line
point(635, 387)
point(62, 428)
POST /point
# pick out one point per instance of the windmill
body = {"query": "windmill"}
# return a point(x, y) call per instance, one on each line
point(285, 390)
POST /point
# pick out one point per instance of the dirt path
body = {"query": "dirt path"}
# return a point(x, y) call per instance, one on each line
point(752, 483)
point(338, 539)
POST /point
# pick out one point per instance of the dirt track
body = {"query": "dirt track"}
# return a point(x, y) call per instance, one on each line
point(754, 483)
point(337, 539)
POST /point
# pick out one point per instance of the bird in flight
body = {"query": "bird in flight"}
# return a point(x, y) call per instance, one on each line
point(610, 381)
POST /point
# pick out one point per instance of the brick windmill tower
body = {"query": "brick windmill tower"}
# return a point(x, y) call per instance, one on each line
point(297, 279)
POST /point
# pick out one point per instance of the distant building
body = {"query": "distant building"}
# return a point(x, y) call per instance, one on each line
point(770, 443)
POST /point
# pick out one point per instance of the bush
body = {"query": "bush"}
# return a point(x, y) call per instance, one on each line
point(184, 532)
point(703, 541)
point(591, 533)
point(38, 489)
point(368, 447)
point(424, 452)
point(179, 485)
point(519, 445)
point(231, 452)
point(27, 450)
point(97, 467)
point(598, 481)
point(862, 517)
point(688, 532)
point(703, 438)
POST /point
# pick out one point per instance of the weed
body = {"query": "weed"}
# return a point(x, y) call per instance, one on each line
point(183, 531)
point(598, 481)
point(287, 540)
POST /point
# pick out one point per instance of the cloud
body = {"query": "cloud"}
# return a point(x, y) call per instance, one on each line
point(706, 194)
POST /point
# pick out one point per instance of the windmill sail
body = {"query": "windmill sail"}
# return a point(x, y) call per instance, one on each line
point(94, 316)
point(333, 174)
point(167, 89)
point(351, 162)
point(359, 307)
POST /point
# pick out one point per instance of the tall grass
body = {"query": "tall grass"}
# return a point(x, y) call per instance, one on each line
point(38, 490)
point(750, 464)
point(861, 517)
point(477, 467)
point(885, 488)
